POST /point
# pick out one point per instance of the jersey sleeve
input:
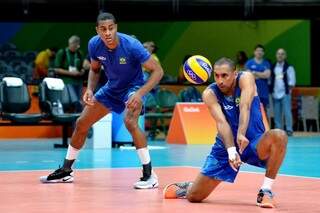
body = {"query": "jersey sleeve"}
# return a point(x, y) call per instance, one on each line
point(91, 50)
point(291, 76)
point(139, 52)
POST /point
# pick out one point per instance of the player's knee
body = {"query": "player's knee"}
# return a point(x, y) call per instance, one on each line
point(81, 125)
point(280, 138)
point(130, 124)
point(194, 197)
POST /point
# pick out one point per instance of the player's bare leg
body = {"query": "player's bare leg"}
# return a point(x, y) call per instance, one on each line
point(88, 117)
point(272, 148)
point(149, 179)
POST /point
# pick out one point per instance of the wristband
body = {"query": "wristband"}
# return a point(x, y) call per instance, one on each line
point(232, 153)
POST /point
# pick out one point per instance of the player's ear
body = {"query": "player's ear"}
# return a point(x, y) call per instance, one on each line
point(97, 30)
point(235, 72)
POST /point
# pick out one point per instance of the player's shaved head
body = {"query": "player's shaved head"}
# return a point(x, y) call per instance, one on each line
point(104, 17)
point(226, 61)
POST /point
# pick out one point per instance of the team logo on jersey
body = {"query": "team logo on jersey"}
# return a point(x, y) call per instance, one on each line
point(101, 58)
point(227, 107)
point(237, 101)
point(122, 60)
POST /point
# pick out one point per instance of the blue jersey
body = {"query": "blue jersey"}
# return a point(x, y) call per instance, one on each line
point(262, 84)
point(230, 108)
point(122, 65)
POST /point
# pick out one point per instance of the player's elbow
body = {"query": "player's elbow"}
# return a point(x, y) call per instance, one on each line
point(158, 71)
point(161, 72)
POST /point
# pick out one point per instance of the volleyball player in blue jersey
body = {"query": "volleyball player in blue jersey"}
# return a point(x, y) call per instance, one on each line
point(121, 57)
point(234, 104)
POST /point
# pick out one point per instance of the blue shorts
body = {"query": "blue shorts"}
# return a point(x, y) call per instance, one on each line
point(217, 163)
point(115, 100)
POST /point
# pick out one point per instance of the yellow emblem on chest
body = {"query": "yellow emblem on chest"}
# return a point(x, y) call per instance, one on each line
point(122, 60)
point(237, 101)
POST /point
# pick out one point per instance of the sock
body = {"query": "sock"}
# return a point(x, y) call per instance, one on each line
point(144, 155)
point(72, 154)
point(267, 183)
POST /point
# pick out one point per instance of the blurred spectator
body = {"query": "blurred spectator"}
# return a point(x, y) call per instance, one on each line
point(181, 78)
point(260, 68)
point(43, 61)
point(282, 80)
point(152, 49)
point(241, 59)
point(68, 66)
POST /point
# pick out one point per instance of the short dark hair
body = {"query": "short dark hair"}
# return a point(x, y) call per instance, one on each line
point(226, 61)
point(259, 46)
point(105, 16)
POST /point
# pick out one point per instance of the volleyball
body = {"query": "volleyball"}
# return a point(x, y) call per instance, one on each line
point(197, 69)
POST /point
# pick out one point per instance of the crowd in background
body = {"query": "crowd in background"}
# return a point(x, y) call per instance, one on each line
point(274, 80)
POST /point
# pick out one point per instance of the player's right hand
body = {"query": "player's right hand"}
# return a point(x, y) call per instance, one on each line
point(88, 97)
point(234, 158)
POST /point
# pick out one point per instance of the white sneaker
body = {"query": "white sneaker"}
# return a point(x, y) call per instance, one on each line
point(151, 183)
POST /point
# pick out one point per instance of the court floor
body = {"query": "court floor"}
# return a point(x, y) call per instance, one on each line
point(104, 179)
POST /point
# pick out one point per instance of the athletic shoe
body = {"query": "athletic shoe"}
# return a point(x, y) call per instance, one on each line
point(289, 133)
point(60, 175)
point(147, 182)
point(176, 190)
point(265, 199)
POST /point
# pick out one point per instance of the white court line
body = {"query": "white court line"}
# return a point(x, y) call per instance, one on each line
point(22, 161)
point(100, 160)
point(48, 161)
point(157, 167)
point(90, 169)
point(149, 147)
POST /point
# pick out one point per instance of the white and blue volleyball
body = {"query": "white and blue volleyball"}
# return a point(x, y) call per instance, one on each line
point(197, 69)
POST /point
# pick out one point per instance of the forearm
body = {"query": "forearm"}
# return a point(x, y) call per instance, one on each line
point(154, 79)
point(226, 134)
point(244, 119)
point(93, 79)
point(263, 75)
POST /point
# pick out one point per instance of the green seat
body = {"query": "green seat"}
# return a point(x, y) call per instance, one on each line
point(166, 101)
point(190, 94)
point(152, 114)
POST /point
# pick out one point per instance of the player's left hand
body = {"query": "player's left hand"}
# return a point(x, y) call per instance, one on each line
point(134, 101)
point(242, 142)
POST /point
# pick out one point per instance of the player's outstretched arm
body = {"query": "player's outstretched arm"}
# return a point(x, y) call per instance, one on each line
point(223, 126)
point(248, 91)
point(156, 74)
point(93, 78)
